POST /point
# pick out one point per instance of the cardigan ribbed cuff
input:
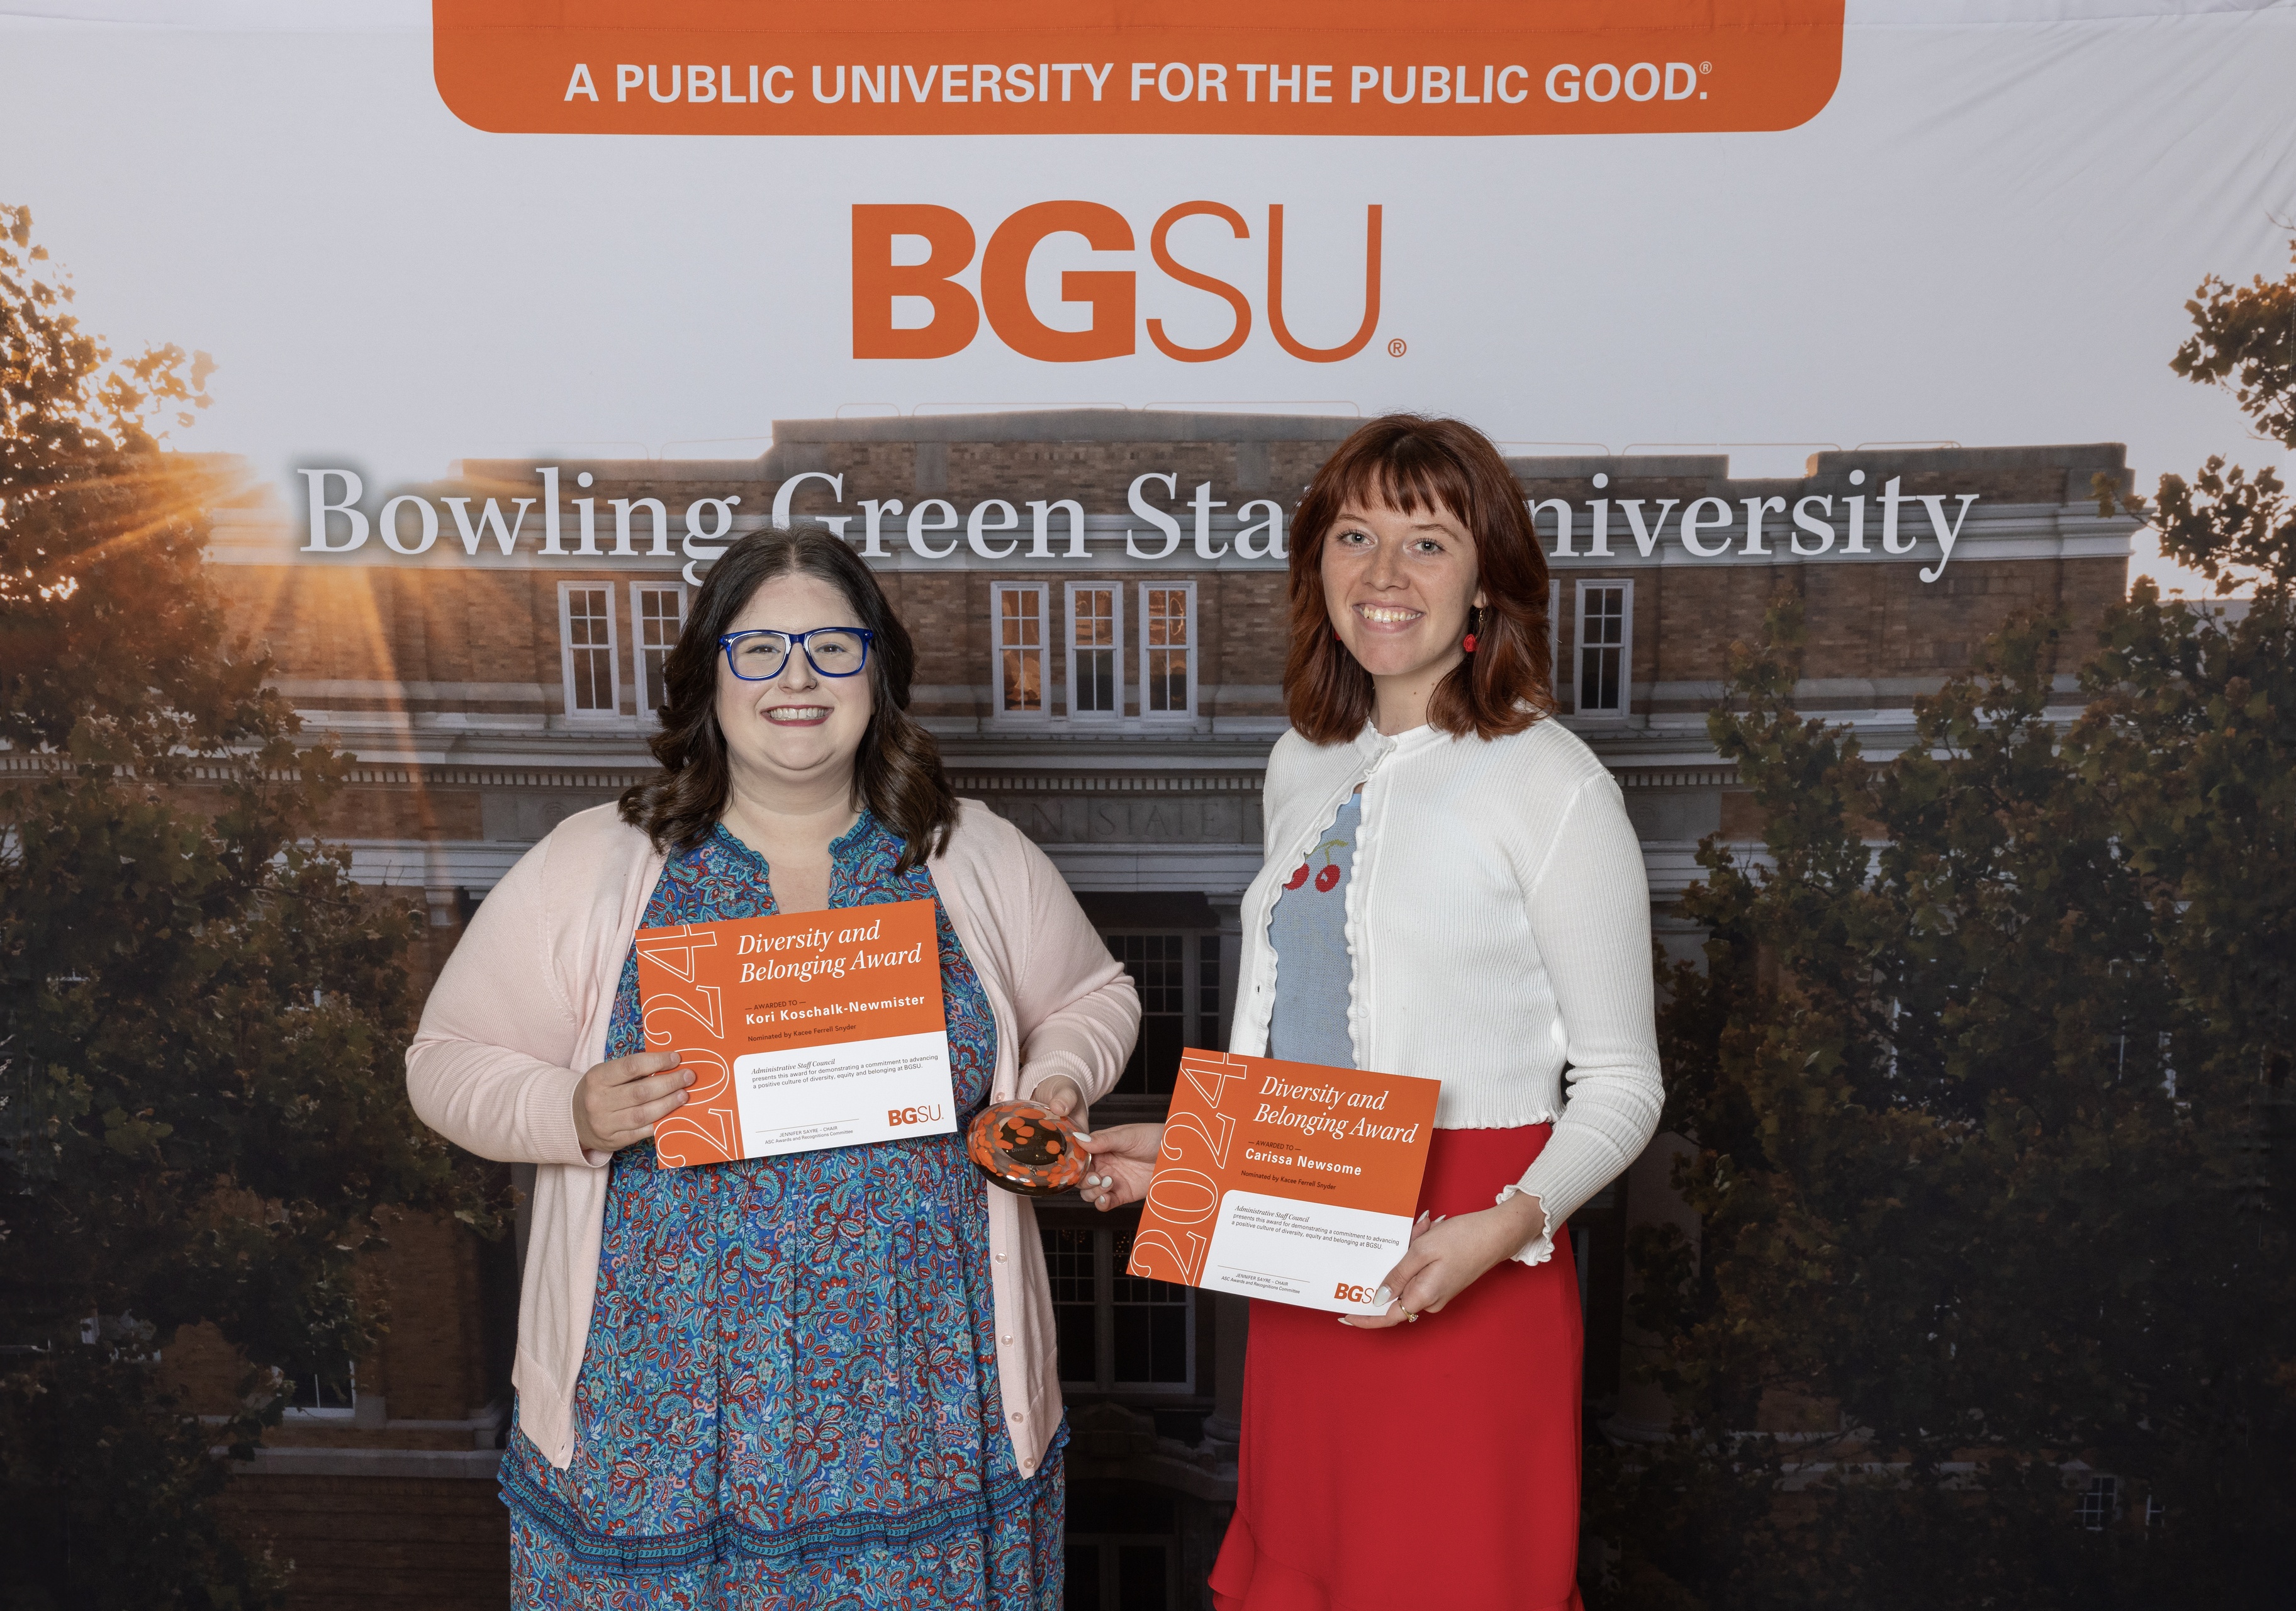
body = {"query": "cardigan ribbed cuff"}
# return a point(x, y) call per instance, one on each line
point(1067, 1067)
point(548, 1112)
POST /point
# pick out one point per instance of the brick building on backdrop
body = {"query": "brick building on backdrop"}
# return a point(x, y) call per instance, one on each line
point(1097, 598)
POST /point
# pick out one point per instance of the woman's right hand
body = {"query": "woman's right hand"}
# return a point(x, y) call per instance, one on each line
point(1123, 1156)
point(618, 1102)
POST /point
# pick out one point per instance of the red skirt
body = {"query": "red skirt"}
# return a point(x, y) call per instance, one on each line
point(1434, 1464)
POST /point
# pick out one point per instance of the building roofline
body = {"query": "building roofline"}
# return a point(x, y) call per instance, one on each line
point(2070, 455)
point(2110, 457)
point(1634, 466)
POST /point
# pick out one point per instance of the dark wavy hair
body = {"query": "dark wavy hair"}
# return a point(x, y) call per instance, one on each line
point(897, 773)
point(1412, 463)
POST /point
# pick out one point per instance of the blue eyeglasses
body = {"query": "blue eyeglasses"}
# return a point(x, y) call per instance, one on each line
point(758, 656)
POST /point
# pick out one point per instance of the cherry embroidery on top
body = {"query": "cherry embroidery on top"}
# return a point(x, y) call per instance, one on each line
point(1327, 876)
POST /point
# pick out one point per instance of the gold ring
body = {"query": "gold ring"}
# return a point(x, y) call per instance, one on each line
point(1411, 1317)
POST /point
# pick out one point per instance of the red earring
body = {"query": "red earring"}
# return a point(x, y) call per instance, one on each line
point(1469, 645)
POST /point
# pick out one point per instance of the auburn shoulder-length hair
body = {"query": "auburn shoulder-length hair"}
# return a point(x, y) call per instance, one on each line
point(897, 773)
point(1411, 462)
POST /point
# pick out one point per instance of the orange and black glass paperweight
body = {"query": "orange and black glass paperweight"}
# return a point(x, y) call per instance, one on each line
point(1025, 1147)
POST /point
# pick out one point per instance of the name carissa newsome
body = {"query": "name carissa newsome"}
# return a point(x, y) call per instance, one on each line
point(1299, 1161)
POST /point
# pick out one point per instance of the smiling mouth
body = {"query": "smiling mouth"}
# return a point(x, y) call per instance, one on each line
point(1387, 615)
point(798, 716)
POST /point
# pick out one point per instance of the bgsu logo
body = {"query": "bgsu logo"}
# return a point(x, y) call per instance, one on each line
point(1111, 292)
point(1346, 1293)
point(899, 1118)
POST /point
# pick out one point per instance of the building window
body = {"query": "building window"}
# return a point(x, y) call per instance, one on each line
point(1167, 649)
point(1555, 636)
point(1120, 1554)
point(1152, 1326)
point(1018, 611)
point(1106, 1573)
point(1116, 1333)
point(1071, 1261)
point(657, 616)
point(321, 1393)
point(1095, 650)
point(1177, 976)
point(1604, 661)
point(586, 638)
point(1208, 993)
point(2100, 1503)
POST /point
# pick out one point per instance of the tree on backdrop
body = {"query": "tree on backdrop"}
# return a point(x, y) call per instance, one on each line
point(201, 1106)
point(1984, 1074)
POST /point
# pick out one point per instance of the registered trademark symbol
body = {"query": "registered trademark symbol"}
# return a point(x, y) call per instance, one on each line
point(1706, 67)
point(1396, 348)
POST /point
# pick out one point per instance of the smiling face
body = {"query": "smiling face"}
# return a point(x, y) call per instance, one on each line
point(798, 730)
point(1397, 587)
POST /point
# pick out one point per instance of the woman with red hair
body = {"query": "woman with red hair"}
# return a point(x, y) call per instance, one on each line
point(1452, 890)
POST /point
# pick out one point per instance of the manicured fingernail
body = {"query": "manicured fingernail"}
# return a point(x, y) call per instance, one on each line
point(1383, 1297)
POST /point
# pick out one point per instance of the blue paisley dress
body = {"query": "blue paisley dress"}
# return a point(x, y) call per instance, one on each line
point(789, 1394)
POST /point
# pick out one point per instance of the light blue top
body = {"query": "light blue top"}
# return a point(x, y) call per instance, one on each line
point(1308, 933)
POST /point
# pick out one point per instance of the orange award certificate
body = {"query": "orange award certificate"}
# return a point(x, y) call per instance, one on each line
point(1285, 1180)
point(804, 1031)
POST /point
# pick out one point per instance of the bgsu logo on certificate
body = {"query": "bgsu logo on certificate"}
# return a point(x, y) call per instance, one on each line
point(1285, 1180)
point(804, 1031)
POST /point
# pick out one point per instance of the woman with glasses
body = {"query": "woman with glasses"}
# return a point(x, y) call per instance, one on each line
point(824, 1379)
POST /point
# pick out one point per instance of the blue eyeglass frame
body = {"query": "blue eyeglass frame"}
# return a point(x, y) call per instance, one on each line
point(797, 641)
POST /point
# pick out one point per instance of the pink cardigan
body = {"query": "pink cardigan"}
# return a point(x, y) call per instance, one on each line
point(521, 1008)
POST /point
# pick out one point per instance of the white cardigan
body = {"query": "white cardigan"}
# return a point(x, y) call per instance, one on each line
point(1499, 918)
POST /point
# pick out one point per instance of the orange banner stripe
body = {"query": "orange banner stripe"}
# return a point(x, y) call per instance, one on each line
point(1339, 67)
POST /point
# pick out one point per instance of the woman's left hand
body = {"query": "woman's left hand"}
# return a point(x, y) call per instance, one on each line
point(1451, 1255)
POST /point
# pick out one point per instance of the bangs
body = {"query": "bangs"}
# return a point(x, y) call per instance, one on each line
point(1406, 473)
